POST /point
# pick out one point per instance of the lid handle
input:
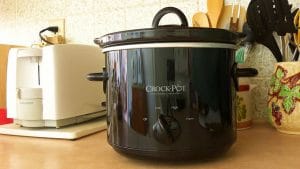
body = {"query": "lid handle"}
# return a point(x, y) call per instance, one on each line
point(164, 11)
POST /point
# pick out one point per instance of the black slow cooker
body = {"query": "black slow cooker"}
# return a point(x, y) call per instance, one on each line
point(171, 89)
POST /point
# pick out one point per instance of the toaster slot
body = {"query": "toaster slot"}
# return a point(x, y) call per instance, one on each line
point(28, 71)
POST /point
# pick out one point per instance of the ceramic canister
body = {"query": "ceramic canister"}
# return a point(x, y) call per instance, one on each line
point(244, 118)
point(244, 106)
point(284, 97)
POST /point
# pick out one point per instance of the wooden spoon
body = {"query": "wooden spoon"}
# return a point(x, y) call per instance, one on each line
point(297, 24)
point(201, 19)
point(214, 8)
point(224, 21)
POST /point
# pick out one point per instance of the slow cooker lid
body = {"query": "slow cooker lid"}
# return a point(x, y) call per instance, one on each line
point(167, 33)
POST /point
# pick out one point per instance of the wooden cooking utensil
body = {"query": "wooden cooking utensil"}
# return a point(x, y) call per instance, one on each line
point(214, 8)
point(297, 24)
point(234, 26)
point(201, 19)
point(224, 21)
point(297, 36)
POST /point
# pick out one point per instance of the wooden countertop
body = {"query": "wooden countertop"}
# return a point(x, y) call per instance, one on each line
point(260, 147)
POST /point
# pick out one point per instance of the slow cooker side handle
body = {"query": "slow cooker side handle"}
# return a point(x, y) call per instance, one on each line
point(242, 72)
point(164, 11)
point(102, 76)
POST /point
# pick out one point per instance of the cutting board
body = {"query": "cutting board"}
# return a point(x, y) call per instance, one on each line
point(71, 132)
point(4, 49)
point(224, 20)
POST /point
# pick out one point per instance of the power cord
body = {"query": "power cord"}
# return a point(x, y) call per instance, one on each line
point(53, 29)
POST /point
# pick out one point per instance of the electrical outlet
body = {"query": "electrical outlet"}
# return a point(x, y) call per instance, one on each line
point(61, 26)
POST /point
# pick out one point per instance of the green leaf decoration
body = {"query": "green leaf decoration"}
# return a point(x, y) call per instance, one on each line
point(285, 91)
point(277, 86)
point(280, 73)
point(243, 111)
point(272, 81)
point(285, 88)
point(241, 108)
point(275, 82)
point(296, 92)
point(272, 84)
point(289, 97)
point(239, 117)
point(288, 104)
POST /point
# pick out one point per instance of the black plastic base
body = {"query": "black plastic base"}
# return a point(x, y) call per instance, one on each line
point(173, 155)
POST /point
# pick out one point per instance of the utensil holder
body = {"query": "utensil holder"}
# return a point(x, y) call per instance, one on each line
point(284, 97)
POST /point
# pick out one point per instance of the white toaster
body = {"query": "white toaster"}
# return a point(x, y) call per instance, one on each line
point(47, 87)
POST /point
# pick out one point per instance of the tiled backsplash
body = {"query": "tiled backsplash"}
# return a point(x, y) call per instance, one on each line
point(21, 20)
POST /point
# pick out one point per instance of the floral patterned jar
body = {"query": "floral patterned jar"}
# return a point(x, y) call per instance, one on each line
point(284, 97)
point(244, 106)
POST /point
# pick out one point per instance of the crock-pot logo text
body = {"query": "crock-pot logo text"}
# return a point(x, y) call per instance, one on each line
point(171, 89)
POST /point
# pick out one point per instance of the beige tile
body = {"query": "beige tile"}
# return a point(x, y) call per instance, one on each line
point(141, 3)
point(7, 20)
point(40, 9)
point(202, 5)
point(141, 17)
point(27, 9)
point(104, 24)
point(80, 29)
point(21, 20)
point(79, 7)
point(192, 7)
point(7, 32)
point(171, 1)
point(7, 10)
point(101, 6)
point(28, 31)
point(51, 8)
point(188, 7)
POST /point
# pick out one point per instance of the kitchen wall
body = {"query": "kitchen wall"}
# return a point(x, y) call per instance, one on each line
point(21, 20)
